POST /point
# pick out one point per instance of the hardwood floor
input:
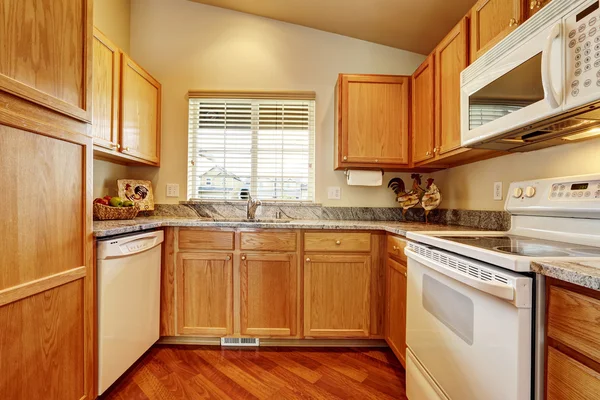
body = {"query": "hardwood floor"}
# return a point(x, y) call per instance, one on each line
point(201, 372)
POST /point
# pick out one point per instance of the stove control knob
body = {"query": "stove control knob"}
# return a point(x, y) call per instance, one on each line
point(518, 192)
point(530, 191)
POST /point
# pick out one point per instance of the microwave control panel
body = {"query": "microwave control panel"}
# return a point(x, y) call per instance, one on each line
point(582, 30)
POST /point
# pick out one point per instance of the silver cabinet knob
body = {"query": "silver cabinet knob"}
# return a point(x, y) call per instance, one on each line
point(513, 22)
point(338, 242)
point(435, 149)
point(395, 247)
point(243, 258)
point(428, 153)
point(345, 158)
point(228, 258)
point(307, 259)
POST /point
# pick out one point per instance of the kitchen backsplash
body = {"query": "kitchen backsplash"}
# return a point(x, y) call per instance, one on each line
point(489, 220)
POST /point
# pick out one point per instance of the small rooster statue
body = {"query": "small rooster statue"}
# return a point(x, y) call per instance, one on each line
point(407, 199)
point(432, 198)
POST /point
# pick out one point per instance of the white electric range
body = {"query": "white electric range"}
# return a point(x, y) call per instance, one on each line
point(475, 317)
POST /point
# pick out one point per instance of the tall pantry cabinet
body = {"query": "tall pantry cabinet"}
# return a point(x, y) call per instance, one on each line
point(46, 252)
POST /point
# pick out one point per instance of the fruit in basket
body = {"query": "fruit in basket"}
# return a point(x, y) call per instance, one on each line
point(100, 200)
point(107, 198)
point(116, 202)
point(128, 203)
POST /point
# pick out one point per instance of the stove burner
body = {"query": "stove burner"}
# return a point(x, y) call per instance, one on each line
point(531, 251)
point(586, 251)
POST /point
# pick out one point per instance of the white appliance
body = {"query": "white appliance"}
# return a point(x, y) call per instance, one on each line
point(128, 279)
point(475, 317)
point(538, 87)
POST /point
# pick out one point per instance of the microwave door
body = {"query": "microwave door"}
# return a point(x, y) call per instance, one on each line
point(513, 91)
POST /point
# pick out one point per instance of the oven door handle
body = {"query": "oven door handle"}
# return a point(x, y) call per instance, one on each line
point(552, 97)
point(505, 292)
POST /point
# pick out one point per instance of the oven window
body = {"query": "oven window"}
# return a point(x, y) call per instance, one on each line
point(452, 308)
point(512, 91)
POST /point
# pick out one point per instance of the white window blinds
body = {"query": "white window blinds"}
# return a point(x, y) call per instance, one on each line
point(251, 146)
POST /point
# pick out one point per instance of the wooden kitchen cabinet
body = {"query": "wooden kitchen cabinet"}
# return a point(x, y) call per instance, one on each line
point(105, 89)
point(268, 285)
point(140, 108)
point(492, 21)
point(46, 54)
point(395, 332)
point(337, 295)
point(533, 6)
point(423, 103)
point(204, 294)
point(372, 122)
point(127, 107)
point(572, 341)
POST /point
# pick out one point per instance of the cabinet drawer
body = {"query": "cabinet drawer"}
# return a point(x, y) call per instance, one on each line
point(274, 241)
point(395, 247)
point(569, 379)
point(573, 320)
point(345, 242)
point(190, 239)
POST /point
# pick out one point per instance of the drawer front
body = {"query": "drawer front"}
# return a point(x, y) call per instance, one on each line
point(343, 242)
point(272, 241)
point(395, 247)
point(190, 239)
point(573, 320)
point(569, 379)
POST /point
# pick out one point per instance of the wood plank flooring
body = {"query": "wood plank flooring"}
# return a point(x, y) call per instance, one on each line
point(202, 372)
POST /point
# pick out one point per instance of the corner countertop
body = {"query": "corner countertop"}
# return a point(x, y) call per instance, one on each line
point(119, 227)
point(584, 273)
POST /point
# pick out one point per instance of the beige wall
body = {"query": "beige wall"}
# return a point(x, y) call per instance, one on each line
point(470, 187)
point(112, 18)
point(187, 45)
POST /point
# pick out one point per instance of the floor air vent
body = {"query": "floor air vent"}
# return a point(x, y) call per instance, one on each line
point(237, 342)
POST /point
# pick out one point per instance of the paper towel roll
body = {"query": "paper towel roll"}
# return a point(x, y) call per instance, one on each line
point(364, 178)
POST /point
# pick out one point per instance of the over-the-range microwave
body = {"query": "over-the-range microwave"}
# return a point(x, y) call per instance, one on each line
point(539, 86)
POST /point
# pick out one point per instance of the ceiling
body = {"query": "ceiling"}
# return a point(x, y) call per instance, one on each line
point(414, 25)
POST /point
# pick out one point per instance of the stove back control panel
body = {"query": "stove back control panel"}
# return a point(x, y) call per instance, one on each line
point(568, 196)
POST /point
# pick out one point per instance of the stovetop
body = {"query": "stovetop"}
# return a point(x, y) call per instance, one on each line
point(524, 246)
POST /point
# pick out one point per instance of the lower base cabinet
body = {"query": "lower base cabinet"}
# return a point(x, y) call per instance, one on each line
point(268, 294)
point(204, 294)
point(395, 332)
point(337, 295)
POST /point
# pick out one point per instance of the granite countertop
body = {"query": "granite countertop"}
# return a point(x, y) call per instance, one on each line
point(584, 273)
point(118, 227)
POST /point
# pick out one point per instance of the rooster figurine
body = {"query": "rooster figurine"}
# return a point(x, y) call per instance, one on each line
point(412, 198)
point(432, 198)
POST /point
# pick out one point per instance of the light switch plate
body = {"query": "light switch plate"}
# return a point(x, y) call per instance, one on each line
point(497, 190)
point(172, 190)
point(334, 193)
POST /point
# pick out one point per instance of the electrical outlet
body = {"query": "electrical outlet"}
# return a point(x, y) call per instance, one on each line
point(172, 190)
point(497, 190)
point(334, 193)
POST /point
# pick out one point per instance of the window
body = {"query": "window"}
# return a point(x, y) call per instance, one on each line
point(256, 144)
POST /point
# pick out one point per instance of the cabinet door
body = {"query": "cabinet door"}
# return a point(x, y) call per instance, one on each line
point(491, 21)
point(46, 279)
point(569, 379)
point(337, 295)
point(423, 127)
point(46, 53)
point(268, 294)
point(395, 332)
point(204, 294)
point(451, 57)
point(105, 92)
point(374, 120)
point(140, 108)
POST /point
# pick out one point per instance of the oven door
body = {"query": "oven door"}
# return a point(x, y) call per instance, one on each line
point(521, 86)
point(465, 342)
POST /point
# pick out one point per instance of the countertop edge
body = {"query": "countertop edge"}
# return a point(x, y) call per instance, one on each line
point(573, 272)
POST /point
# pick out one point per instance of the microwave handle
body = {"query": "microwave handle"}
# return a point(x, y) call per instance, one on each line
point(555, 99)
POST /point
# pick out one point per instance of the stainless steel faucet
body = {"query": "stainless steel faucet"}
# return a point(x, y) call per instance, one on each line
point(251, 207)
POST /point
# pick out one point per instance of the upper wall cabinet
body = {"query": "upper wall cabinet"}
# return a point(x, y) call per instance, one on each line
point(491, 21)
point(372, 122)
point(105, 92)
point(423, 127)
point(45, 57)
point(127, 101)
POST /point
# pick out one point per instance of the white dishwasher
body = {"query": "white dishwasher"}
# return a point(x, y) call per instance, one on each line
point(128, 271)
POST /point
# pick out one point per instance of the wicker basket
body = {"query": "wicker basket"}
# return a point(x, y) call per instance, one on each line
point(102, 212)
